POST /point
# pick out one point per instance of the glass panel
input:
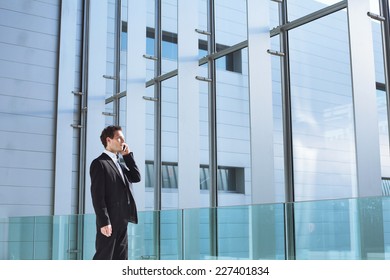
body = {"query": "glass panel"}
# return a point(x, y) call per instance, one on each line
point(195, 234)
point(278, 122)
point(111, 48)
point(150, 63)
point(233, 132)
point(322, 111)
point(169, 143)
point(274, 14)
point(300, 8)
point(109, 111)
point(170, 235)
point(383, 132)
point(122, 118)
point(380, 93)
point(269, 243)
point(386, 225)
point(21, 238)
point(233, 232)
point(341, 229)
point(169, 35)
point(374, 6)
point(326, 230)
point(202, 18)
point(149, 150)
point(144, 236)
point(378, 47)
point(204, 138)
point(230, 23)
point(123, 48)
point(89, 232)
point(149, 37)
point(236, 227)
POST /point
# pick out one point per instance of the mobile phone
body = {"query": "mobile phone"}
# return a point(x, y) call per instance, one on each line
point(123, 148)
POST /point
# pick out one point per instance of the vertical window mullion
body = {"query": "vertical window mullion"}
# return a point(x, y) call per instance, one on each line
point(385, 12)
point(118, 25)
point(288, 145)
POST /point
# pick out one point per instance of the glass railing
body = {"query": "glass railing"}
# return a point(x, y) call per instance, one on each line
point(322, 230)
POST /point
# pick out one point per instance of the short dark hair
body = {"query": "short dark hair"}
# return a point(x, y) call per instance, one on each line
point(109, 131)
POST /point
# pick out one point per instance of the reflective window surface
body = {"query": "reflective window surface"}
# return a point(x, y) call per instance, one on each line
point(169, 139)
point(300, 8)
point(230, 22)
point(378, 44)
point(326, 224)
point(382, 104)
point(278, 122)
point(322, 112)
point(345, 229)
point(169, 35)
point(233, 130)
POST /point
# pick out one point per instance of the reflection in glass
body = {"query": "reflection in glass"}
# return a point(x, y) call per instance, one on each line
point(169, 35)
point(381, 101)
point(233, 134)
point(122, 118)
point(230, 22)
point(278, 122)
point(378, 51)
point(123, 47)
point(204, 137)
point(111, 48)
point(325, 230)
point(149, 149)
point(109, 111)
point(274, 14)
point(149, 37)
point(342, 229)
point(169, 142)
point(202, 23)
point(300, 8)
point(322, 111)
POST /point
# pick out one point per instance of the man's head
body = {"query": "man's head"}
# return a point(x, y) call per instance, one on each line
point(112, 138)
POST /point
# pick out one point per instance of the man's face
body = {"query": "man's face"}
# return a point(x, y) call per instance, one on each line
point(115, 144)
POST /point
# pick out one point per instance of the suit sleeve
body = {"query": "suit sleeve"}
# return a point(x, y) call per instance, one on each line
point(98, 190)
point(132, 172)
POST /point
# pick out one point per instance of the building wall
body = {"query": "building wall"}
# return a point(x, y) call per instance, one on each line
point(29, 34)
point(30, 47)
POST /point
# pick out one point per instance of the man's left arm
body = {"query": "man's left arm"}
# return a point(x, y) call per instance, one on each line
point(132, 171)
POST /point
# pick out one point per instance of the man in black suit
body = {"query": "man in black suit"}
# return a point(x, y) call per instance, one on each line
point(112, 197)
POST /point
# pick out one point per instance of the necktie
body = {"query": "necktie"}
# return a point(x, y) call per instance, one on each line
point(119, 169)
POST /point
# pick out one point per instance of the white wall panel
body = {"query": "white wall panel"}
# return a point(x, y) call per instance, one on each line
point(42, 177)
point(27, 38)
point(27, 124)
point(66, 109)
point(366, 117)
point(28, 74)
point(27, 89)
point(27, 55)
point(27, 107)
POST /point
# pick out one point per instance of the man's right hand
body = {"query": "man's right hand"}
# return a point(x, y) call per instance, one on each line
point(106, 230)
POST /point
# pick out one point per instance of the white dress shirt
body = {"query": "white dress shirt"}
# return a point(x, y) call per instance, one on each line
point(115, 159)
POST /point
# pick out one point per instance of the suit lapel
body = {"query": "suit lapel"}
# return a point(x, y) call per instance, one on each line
point(113, 166)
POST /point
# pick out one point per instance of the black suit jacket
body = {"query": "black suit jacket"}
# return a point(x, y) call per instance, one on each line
point(112, 198)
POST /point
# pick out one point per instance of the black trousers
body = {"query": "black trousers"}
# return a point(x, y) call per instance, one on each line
point(114, 247)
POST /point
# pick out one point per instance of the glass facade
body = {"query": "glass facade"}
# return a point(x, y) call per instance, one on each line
point(322, 112)
point(193, 111)
point(342, 229)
